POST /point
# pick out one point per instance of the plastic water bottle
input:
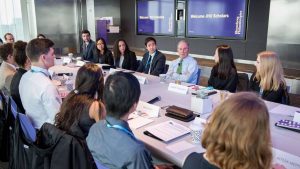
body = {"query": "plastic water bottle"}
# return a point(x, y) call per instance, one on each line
point(196, 130)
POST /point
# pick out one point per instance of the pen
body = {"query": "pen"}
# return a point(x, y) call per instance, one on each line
point(147, 133)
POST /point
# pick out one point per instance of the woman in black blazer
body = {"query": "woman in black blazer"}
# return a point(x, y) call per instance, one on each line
point(224, 75)
point(268, 80)
point(104, 54)
point(123, 57)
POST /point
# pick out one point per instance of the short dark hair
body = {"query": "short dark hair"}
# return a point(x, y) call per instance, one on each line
point(36, 47)
point(85, 31)
point(19, 53)
point(7, 34)
point(5, 50)
point(148, 39)
point(42, 35)
point(90, 80)
point(121, 92)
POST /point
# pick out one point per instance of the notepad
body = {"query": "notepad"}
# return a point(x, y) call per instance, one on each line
point(138, 122)
point(168, 130)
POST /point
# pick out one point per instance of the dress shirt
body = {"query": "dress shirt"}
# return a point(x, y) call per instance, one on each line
point(189, 70)
point(7, 72)
point(39, 96)
point(150, 61)
point(115, 148)
point(121, 61)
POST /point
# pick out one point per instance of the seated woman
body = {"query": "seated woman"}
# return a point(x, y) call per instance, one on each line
point(82, 107)
point(123, 57)
point(237, 135)
point(24, 64)
point(223, 75)
point(268, 79)
point(104, 54)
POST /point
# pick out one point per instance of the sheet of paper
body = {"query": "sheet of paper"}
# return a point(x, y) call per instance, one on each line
point(138, 122)
point(288, 160)
point(284, 110)
point(180, 146)
point(168, 130)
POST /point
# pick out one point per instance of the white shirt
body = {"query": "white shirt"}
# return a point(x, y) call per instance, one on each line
point(189, 70)
point(39, 96)
point(152, 56)
point(121, 61)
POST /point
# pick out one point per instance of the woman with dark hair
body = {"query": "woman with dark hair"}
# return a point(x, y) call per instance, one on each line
point(237, 136)
point(104, 54)
point(123, 57)
point(223, 75)
point(83, 107)
point(24, 64)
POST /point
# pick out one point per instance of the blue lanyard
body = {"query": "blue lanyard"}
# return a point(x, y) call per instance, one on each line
point(261, 92)
point(121, 128)
point(38, 71)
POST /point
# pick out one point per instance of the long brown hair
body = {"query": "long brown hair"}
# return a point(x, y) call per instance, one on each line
point(237, 135)
point(116, 51)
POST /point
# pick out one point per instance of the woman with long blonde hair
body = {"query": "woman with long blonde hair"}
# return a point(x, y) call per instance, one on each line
point(237, 136)
point(268, 80)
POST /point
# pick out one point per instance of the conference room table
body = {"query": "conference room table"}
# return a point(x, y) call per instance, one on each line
point(178, 149)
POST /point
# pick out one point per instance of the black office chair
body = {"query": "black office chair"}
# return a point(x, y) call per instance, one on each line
point(243, 82)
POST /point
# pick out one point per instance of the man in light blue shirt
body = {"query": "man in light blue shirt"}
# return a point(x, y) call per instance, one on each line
point(184, 68)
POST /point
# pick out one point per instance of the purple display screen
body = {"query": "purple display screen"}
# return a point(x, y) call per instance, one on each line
point(155, 17)
point(217, 18)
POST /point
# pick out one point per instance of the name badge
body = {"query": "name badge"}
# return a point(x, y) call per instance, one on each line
point(147, 110)
point(178, 88)
point(141, 79)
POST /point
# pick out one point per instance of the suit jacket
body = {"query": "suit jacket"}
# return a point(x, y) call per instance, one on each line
point(90, 53)
point(106, 58)
point(14, 89)
point(157, 65)
point(229, 84)
point(129, 62)
point(6, 74)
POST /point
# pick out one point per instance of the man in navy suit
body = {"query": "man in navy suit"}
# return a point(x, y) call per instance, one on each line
point(153, 61)
point(88, 47)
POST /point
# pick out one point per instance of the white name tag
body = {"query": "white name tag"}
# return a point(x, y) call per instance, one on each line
point(297, 116)
point(288, 160)
point(147, 110)
point(67, 60)
point(80, 63)
point(141, 79)
point(178, 88)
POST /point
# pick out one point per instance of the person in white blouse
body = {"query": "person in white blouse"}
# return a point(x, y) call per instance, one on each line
point(184, 68)
point(38, 94)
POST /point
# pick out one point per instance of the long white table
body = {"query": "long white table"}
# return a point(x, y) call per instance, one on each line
point(282, 139)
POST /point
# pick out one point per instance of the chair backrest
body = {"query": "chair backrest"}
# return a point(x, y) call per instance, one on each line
point(99, 165)
point(13, 107)
point(198, 76)
point(27, 127)
point(243, 82)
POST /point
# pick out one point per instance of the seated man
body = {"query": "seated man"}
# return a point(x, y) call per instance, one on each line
point(38, 94)
point(184, 68)
point(9, 38)
point(153, 61)
point(111, 141)
point(88, 49)
point(7, 68)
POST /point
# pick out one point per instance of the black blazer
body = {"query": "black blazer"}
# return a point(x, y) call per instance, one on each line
point(278, 96)
point(229, 84)
point(14, 89)
point(129, 62)
point(106, 58)
point(90, 54)
point(157, 64)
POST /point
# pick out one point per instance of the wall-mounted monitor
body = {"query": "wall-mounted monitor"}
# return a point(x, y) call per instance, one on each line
point(217, 18)
point(155, 17)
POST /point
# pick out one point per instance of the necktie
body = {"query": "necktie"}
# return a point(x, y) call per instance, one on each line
point(148, 64)
point(179, 68)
